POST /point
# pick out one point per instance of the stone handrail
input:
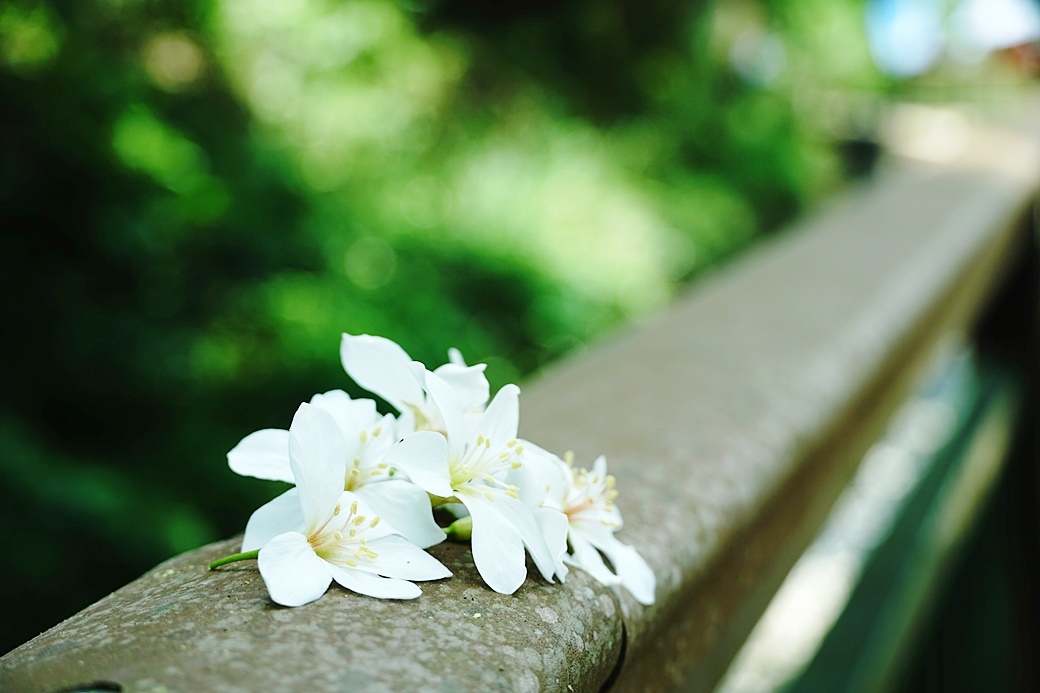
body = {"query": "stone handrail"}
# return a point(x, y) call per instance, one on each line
point(732, 421)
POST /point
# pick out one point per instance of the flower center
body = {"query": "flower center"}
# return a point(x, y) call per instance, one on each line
point(425, 420)
point(341, 540)
point(482, 462)
point(590, 494)
point(362, 470)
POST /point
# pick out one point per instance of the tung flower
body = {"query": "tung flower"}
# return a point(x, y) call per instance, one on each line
point(339, 540)
point(382, 367)
point(366, 438)
point(587, 499)
point(469, 464)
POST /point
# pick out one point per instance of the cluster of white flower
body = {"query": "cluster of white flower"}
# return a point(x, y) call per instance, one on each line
point(361, 512)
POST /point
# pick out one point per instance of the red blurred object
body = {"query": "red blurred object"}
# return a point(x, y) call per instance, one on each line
point(1025, 57)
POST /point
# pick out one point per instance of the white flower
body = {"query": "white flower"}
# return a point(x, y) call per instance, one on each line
point(339, 540)
point(265, 454)
point(539, 473)
point(470, 467)
point(366, 439)
point(382, 367)
point(587, 500)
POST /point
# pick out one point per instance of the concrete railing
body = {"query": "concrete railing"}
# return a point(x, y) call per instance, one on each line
point(732, 422)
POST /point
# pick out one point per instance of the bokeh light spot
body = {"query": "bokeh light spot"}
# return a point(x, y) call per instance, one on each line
point(172, 60)
point(370, 262)
point(29, 39)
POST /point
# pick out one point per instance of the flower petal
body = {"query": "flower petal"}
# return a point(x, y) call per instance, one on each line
point(381, 437)
point(406, 508)
point(317, 454)
point(351, 415)
point(399, 558)
point(424, 458)
point(554, 527)
point(542, 478)
point(634, 572)
point(443, 397)
point(455, 357)
point(502, 416)
point(264, 455)
point(520, 517)
point(469, 382)
point(283, 514)
point(498, 549)
point(382, 367)
point(587, 558)
point(293, 573)
point(373, 585)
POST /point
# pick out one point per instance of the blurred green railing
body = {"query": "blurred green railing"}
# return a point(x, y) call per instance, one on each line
point(855, 610)
point(733, 421)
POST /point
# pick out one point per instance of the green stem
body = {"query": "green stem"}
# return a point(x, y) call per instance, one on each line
point(461, 529)
point(244, 556)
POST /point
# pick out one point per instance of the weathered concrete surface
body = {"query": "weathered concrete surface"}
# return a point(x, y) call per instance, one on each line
point(182, 627)
point(732, 422)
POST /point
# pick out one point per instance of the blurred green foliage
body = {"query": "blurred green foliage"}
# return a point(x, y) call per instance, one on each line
point(197, 197)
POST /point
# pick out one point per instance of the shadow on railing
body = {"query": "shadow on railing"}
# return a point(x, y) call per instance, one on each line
point(733, 422)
